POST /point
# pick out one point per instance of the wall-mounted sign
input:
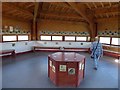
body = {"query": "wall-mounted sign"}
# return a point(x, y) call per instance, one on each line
point(71, 71)
point(53, 68)
point(5, 27)
point(62, 68)
point(11, 28)
point(50, 63)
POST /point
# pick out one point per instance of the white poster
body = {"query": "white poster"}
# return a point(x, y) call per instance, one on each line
point(11, 28)
point(50, 63)
point(80, 66)
point(62, 68)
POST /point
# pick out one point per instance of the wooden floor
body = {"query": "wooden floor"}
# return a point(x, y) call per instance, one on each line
point(30, 71)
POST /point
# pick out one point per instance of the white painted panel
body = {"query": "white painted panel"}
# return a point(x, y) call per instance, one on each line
point(22, 46)
point(63, 44)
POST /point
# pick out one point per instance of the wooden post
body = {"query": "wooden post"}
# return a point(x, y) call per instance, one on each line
point(34, 23)
point(34, 31)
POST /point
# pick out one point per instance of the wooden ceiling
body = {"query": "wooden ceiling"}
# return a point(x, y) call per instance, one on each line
point(59, 10)
point(104, 10)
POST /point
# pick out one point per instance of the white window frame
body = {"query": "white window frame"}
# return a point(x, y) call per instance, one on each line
point(19, 36)
point(69, 38)
point(59, 38)
point(105, 40)
point(114, 42)
point(81, 38)
point(45, 38)
point(9, 38)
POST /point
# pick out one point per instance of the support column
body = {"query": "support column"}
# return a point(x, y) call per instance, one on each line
point(34, 31)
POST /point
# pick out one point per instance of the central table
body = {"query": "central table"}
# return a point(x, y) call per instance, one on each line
point(66, 68)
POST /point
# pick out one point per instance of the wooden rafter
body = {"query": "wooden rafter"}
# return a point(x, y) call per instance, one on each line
point(60, 4)
point(29, 5)
point(110, 4)
point(107, 6)
point(88, 5)
point(101, 16)
point(49, 6)
point(102, 4)
point(94, 5)
point(107, 15)
point(76, 8)
point(96, 16)
point(82, 12)
point(61, 15)
point(106, 10)
point(36, 10)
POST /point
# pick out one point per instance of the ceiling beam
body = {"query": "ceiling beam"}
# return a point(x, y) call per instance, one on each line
point(36, 10)
point(77, 9)
point(81, 10)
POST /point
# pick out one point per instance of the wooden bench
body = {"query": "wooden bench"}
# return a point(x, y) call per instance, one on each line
point(10, 51)
point(38, 48)
point(111, 53)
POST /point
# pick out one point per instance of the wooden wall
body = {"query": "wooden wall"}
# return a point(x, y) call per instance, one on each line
point(110, 24)
point(108, 27)
point(53, 25)
point(22, 25)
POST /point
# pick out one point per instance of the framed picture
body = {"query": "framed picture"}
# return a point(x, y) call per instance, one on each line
point(62, 68)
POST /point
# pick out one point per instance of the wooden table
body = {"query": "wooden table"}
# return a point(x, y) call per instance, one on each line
point(66, 68)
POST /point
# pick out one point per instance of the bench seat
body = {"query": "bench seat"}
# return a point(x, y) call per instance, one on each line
point(38, 48)
point(12, 51)
point(112, 53)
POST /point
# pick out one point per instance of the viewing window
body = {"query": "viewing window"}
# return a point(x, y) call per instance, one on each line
point(57, 38)
point(115, 41)
point(22, 37)
point(69, 38)
point(81, 38)
point(45, 37)
point(9, 38)
point(105, 40)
